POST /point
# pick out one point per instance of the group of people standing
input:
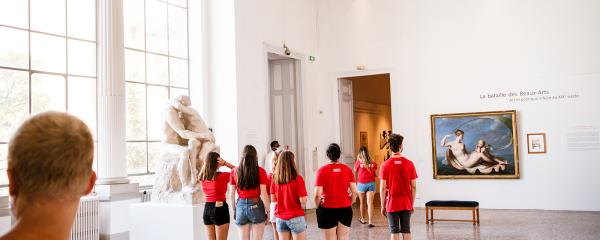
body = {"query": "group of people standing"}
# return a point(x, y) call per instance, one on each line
point(276, 193)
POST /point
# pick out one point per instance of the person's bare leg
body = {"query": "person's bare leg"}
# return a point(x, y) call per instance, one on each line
point(222, 231)
point(210, 232)
point(287, 235)
point(183, 167)
point(395, 236)
point(275, 233)
point(343, 232)
point(299, 236)
point(194, 149)
point(362, 205)
point(257, 231)
point(407, 236)
point(370, 196)
point(244, 232)
point(330, 234)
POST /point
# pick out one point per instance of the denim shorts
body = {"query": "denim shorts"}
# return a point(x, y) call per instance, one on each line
point(249, 211)
point(366, 187)
point(295, 225)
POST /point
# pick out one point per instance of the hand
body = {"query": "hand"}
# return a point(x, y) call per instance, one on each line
point(220, 162)
point(383, 212)
point(287, 147)
point(268, 213)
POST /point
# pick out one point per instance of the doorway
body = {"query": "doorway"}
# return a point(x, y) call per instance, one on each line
point(365, 116)
point(285, 104)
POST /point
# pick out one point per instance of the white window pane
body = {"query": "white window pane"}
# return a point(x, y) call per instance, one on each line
point(181, 3)
point(156, 105)
point(14, 101)
point(48, 16)
point(135, 66)
point(153, 155)
point(136, 158)
point(47, 93)
point(81, 18)
point(14, 48)
point(82, 58)
point(48, 53)
point(179, 72)
point(133, 18)
point(158, 69)
point(178, 32)
point(82, 100)
point(136, 111)
point(95, 162)
point(3, 163)
point(156, 27)
point(14, 13)
point(176, 92)
point(143, 180)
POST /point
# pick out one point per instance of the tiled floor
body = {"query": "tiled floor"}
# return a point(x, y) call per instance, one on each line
point(495, 224)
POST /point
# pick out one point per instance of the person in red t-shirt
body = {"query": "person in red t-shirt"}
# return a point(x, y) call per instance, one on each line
point(250, 182)
point(398, 187)
point(272, 218)
point(366, 169)
point(214, 185)
point(334, 211)
point(289, 191)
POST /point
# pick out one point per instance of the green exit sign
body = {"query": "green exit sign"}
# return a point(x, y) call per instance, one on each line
point(311, 58)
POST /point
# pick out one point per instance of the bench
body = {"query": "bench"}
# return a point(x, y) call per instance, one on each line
point(451, 205)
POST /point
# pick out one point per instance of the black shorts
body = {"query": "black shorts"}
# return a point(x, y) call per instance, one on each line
point(329, 217)
point(399, 222)
point(215, 215)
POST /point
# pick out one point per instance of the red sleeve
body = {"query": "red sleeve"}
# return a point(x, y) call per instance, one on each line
point(301, 187)
point(225, 176)
point(383, 172)
point(262, 176)
point(351, 176)
point(232, 179)
point(374, 166)
point(271, 188)
point(413, 172)
point(356, 165)
point(319, 179)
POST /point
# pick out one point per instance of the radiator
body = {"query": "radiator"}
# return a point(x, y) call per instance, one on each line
point(87, 226)
point(146, 196)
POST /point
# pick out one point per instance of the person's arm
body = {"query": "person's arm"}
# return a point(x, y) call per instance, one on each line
point(265, 198)
point(382, 195)
point(413, 191)
point(443, 143)
point(318, 194)
point(222, 162)
point(177, 125)
point(354, 191)
point(232, 191)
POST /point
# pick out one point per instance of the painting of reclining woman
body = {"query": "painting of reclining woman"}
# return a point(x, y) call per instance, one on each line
point(475, 145)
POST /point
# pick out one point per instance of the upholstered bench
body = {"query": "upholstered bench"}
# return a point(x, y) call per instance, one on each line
point(451, 205)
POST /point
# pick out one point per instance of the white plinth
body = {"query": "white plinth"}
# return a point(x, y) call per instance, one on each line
point(157, 221)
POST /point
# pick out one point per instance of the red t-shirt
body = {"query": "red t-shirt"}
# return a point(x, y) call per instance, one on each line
point(288, 198)
point(269, 181)
point(366, 174)
point(397, 173)
point(335, 180)
point(215, 190)
point(249, 193)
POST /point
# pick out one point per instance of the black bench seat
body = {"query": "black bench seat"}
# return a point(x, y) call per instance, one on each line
point(472, 206)
point(452, 203)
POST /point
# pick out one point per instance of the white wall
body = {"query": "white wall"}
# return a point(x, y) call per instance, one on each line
point(443, 54)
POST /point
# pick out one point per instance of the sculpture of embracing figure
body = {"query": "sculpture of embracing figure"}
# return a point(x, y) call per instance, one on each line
point(187, 141)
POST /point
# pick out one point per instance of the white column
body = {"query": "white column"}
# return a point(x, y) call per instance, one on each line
point(112, 163)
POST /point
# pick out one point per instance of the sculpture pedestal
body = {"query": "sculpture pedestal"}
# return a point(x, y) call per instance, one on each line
point(159, 221)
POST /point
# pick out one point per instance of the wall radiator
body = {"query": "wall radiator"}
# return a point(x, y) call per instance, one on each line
point(146, 196)
point(87, 222)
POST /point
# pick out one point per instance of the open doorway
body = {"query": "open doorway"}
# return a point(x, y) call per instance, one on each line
point(365, 116)
point(285, 104)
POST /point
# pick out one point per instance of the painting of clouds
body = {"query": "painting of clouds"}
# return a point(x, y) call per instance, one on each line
point(475, 145)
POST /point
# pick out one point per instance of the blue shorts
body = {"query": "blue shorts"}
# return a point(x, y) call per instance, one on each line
point(249, 211)
point(366, 187)
point(295, 225)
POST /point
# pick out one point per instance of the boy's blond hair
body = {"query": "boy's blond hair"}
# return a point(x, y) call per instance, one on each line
point(51, 155)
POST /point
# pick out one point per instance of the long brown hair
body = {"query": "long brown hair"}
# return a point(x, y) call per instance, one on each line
point(247, 172)
point(364, 154)
point(210, 166)
point(285, 170)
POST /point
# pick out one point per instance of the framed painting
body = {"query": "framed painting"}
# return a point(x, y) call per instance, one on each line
point(364, 139)
point(480, 145)
point(536, 143)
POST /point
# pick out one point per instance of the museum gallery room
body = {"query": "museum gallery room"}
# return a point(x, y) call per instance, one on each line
point(493, 104)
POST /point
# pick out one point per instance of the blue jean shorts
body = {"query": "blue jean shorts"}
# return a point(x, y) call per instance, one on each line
point(366, 187)
point(295, 225)
point(249, 211)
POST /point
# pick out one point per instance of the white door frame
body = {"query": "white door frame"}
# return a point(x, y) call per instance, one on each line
point(356, 73)
point(300, 65)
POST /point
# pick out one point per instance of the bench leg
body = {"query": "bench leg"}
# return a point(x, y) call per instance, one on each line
point(478, 216)
point(426, 215)
point(432, 218)
point(474, 220)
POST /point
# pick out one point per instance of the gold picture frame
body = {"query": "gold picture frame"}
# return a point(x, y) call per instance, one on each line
point(536, 143)
point(484, 146)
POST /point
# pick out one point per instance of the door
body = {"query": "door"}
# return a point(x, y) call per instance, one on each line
point(346, 121)
point(284, 106)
